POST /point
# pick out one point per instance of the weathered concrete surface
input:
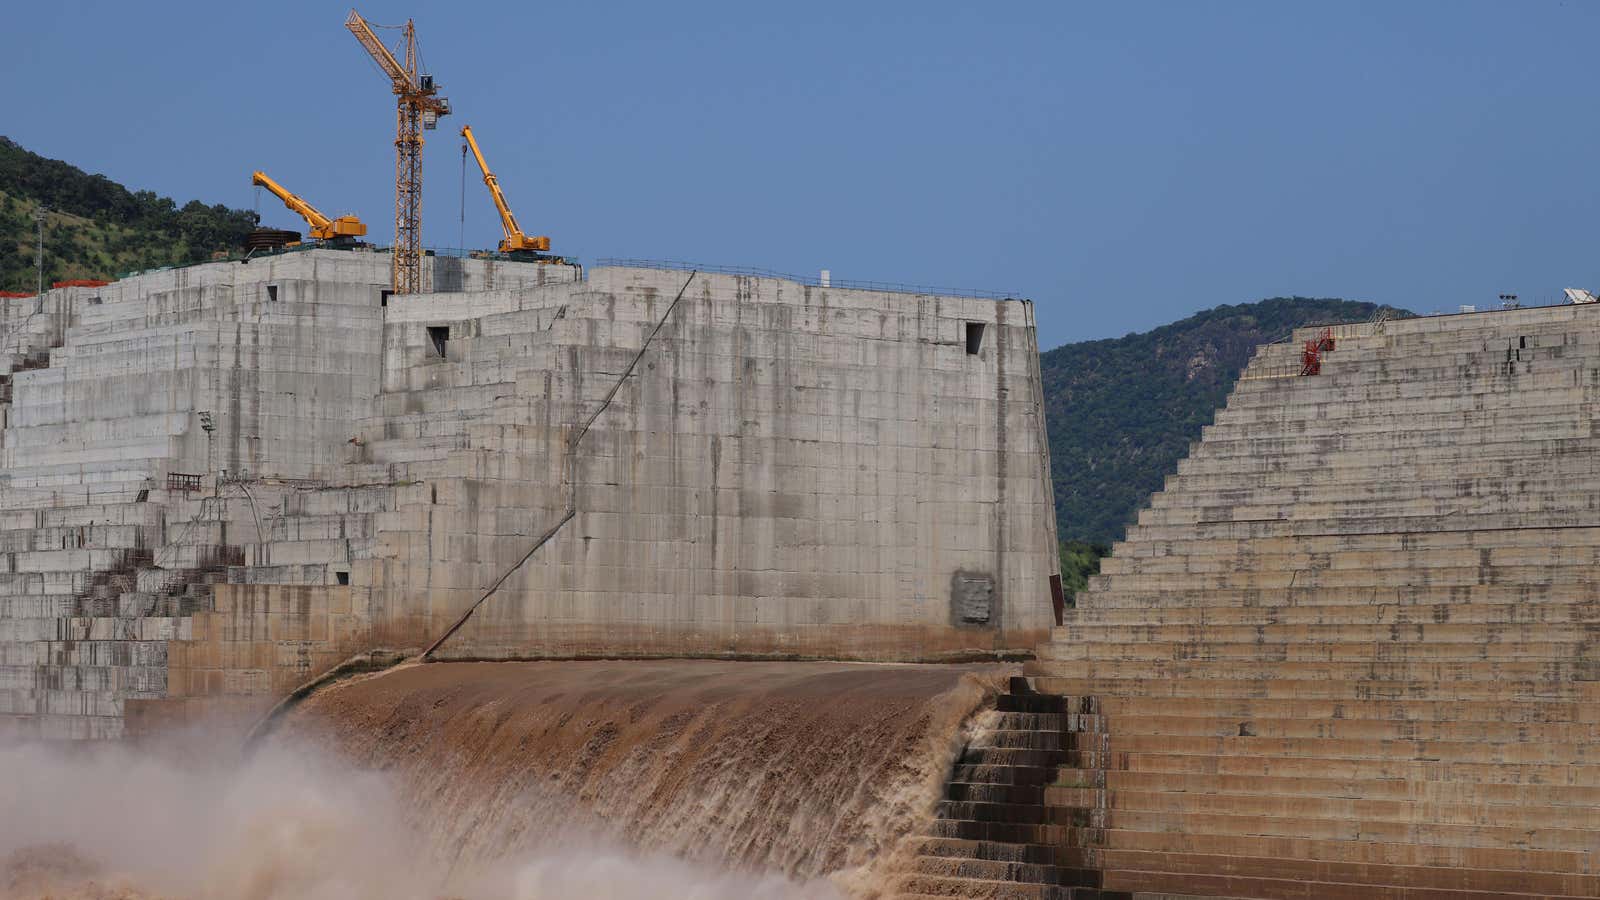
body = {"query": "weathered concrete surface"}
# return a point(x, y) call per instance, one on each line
point(1349, 651)
point(783, 471)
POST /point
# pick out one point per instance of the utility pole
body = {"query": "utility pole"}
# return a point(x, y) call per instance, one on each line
point(209, 426)
point(38, 218)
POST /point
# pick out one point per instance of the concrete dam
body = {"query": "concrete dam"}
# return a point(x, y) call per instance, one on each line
point(221, 481)
point(736, 572)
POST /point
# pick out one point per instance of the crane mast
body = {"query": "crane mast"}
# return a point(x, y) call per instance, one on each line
point(322, 227)
point(418, 107)
point(514, 240)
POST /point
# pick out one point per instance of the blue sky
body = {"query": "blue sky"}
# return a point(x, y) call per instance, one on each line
point(1122, 164)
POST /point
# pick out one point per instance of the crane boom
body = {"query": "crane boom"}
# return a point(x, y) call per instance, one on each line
point(386, 61)
point(322, 227)
point(514, 240)
point(418, 107)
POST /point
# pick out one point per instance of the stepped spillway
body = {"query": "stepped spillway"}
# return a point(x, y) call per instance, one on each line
point(1350, 650)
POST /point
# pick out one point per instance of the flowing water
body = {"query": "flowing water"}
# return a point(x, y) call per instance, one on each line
point(633, 779)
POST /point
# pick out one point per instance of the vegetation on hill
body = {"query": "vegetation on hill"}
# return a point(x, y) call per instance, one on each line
point(1121, 412)
point(96, 228)
point(1079, 560)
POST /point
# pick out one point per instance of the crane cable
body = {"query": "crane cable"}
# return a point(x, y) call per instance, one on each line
point(461, 240)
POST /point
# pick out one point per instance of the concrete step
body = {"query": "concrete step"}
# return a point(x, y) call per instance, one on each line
point(1333, 487)
point(1578, 755)
point(1304, 459)
point(1004, 871)
point(1205, 723)
point(1371, 635)
point(1374, 814)
point(1296, 887)
point(1559, 675)
point(1001, 774)
point(1324, 550)
point(1512, 573)
point(1335, 712)
point(1385, 603)
point(1491, 604)
point(1486, 796)
point(1579, 649)
point(1284, 528)
point(1369, 474)
point(977, 889)
point(1560, 547)
point(1040, 854)
point(1068, 677)
point(1332, 515)
point(1425, 833)
point(1505, 414)
point(1364, 879)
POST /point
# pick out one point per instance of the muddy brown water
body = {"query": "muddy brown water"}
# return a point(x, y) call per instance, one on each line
point(804, 769)
point(632, 780)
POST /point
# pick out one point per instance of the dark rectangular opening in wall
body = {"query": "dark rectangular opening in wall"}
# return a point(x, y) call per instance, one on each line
point(342, 577)
point(974, 337)
point(1522, 343)
point(272, 293)
point(383, 297)
point(438, 339)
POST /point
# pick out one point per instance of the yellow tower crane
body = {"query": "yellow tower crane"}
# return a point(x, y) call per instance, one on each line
point(322, 227)
point(419, 107)
point(514, 240)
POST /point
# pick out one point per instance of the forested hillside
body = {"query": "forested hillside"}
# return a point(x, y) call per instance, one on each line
point(1122, 412)
point(96, 228)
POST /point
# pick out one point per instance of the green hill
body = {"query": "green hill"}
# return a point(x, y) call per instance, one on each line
point(96, 228)
point(1121, 412)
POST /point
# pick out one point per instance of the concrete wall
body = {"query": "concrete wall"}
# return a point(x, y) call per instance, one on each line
point(789, 471)
point(783, 471)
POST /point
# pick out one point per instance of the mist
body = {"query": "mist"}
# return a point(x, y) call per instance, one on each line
point(287, 822)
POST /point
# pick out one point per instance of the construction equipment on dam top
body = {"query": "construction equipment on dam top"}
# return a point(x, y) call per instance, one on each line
point(418, 107)
point(515, 241)
point(1311, 353)
point(322, 227)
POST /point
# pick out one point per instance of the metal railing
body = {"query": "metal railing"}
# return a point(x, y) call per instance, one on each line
point(810, 280)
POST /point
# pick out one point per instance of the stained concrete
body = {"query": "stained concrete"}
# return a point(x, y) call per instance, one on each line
point(784, 471)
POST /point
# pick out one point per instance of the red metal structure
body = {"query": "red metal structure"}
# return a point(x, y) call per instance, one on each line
point(79, 282)
point(1311, 357)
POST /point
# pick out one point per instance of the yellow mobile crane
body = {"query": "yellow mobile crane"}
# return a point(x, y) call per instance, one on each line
point(322, 227)
point(514, 240)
